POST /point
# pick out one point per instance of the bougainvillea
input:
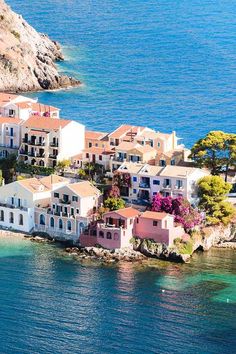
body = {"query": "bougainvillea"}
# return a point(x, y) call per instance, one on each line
point(184, 213)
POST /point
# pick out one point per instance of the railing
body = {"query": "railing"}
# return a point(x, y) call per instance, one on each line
point(54, 144)
point(166, 186)
point(52, 156)
point(144, 185)
point(65, 201)
point(12, 206)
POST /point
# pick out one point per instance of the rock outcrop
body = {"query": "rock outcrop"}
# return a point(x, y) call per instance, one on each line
point(27, 58)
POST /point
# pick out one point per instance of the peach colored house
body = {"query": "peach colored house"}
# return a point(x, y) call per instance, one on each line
point(158, 226)
point(100, 156)
point(96, 139)
point(115, 232)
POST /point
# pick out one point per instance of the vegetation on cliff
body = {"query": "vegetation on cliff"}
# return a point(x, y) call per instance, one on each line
point(27, 58)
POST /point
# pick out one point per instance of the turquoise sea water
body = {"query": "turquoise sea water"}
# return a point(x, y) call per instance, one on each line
point(167, 64)
point(50, 303)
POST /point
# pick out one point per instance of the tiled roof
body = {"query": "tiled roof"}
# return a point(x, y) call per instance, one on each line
point(6, 98)
point(127, 212)
point(120, 131)
point(98, 151)
point(89, 134)
point(10, 120)
point(84, 189)
point(34, 185)
point(130, 167)
point(177, 171)
point(48, 181)
point(154, 215)
point(46, 123)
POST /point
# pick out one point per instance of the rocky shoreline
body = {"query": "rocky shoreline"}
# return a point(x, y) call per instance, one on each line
point(27, 58)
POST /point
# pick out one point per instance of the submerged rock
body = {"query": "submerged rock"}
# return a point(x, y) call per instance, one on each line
point(27, 58)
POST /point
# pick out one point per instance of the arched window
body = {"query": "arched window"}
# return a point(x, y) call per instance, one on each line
point(52, 222)
point(11, 218)
point(116, 236)
point(41, 163)
point(81, 227)
point(69, 225)
point(60, 224)
point(42, 219)
point(21, 220)
point(2, 215)
point(101, 234)
point(108, 235)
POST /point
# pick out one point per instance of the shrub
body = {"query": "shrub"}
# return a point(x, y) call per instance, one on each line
point(16, 34)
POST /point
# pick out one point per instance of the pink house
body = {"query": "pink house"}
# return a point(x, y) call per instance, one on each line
point(115, 231)
point(157, 226)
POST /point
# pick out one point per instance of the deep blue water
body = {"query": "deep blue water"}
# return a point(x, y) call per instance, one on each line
point(50, 303)
point(167, 64)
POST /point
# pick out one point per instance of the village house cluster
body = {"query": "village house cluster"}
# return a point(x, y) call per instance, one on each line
point(141, 161)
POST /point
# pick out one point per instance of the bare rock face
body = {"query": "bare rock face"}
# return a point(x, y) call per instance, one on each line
point(27, 58)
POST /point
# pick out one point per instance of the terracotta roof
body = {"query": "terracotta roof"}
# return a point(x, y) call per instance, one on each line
point(154, 215)
point(89, 134)
point(46, 123)
point(23, 105)
point(127, 212)
point(10, 120)
point(84, 189)
point(120, 131)
point(178, 171)
point(77, 157)
point(6, 98)
point(130, 167)
point(48, 181)
point(98, 151)
point(150, 170)
point(39, 107)
point(34, 185)
point(127, 146)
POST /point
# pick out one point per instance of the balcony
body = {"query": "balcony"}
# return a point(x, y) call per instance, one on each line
point(64, 201)
point(11, 206)
point(179, 188)
point(166, 186)
point(54, 145)
point(52, 156)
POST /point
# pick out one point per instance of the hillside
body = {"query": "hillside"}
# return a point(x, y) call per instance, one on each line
point(27, 58)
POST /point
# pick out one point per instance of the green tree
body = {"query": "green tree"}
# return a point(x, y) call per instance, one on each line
point(212, 194)
point(215, 151)
point(8, 167)
point(113, 203)
point(62, 165)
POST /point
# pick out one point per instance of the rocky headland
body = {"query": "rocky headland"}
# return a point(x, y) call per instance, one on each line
point(27, 58)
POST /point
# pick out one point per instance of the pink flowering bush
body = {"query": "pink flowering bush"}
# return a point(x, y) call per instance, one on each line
point(184, 213)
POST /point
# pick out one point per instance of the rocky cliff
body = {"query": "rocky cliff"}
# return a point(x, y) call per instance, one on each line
point(27, 58)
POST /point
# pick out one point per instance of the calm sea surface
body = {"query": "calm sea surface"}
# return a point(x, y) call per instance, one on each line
point(166, 64)
point(50, 303)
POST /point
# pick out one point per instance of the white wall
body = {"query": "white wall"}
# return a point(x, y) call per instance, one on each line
point(71, 141)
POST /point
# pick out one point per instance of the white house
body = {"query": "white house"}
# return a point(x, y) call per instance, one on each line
point(147, 180)
point(10, 135)
point(18, 200)
point(45, 141)
point(70, 211)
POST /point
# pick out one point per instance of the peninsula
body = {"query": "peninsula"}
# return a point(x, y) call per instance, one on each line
point(27, 58)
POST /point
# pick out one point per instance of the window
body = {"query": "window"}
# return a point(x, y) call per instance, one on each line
point(96, 144)
point(2, 215)
point(87, 155)
point(42, 219)
point(134, 191)
point(11, 112)
point(162, 163)
point(52, 223)
point(116, 236)
point(77, 211)
point(53, 206)
point(56, 195)
point(137, 220)
point(21, 221)
point(90, 145)
point(158, 144)
point(12, 201)
point(100, 157)
point(131, 221)
point(154, 193)
point(172, 162)
point(74, 198)
point(101, 234)
point(154, 223)
point(179, 183)
point(69, 227)
point(156, 182)
point(109, 235)
point(11, 218)
point(60, 224)
point(134, 179)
